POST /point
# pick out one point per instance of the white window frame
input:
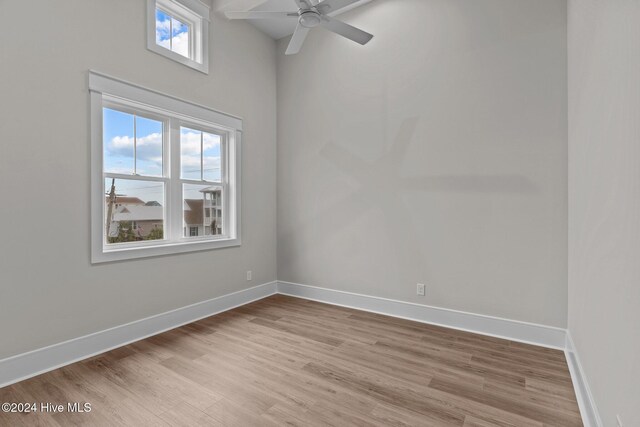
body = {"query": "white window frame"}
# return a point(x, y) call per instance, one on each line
point(195, 14)
point(108, 91)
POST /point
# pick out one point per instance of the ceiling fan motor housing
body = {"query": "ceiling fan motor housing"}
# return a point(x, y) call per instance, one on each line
point(310, 19)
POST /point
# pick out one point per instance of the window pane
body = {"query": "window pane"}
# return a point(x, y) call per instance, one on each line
point(180, 37)
point(117, 135)
point(190, 149)
point(202, 210)
point(211, 157)
point(134, 210)
point(148, 146)
point(163, 29)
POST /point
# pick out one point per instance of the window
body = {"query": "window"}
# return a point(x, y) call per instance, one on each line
point(165, 173)
point(179, 30)
point(173, 34)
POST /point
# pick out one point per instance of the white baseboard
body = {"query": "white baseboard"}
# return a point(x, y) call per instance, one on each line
point(588, 408)
point(530, 333)
point(27, 365)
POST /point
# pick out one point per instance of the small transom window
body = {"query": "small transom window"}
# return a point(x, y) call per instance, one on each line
point(178, 29)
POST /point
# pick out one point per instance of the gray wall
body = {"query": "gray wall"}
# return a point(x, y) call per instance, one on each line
point(435, 154)
point(604, 202)
point(49, 290)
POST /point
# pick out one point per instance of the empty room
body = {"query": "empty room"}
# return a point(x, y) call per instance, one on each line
point(320, 213)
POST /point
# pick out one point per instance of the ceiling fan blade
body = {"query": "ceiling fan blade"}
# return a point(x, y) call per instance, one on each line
point(297, 40)
point(346, 30)
point(328, 6)
point(257, 14)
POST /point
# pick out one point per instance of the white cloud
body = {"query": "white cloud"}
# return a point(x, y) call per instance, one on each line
point(190, 142)
point(191, 162)
point(164, 43)
point(181, 44)
point(121, 170)
point(149, 148)
point(180, 36)
point(163, 26)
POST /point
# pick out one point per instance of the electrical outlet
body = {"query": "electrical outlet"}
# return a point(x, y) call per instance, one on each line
point(619, 421)
point(249, 275)
point(420, 289)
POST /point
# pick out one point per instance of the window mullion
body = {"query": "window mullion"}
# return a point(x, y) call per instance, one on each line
point(224, 177)
point(192, 42)
point(135, 144)
point(109, 175)
point(175, 185)
point(170, 32)
point(167, 166)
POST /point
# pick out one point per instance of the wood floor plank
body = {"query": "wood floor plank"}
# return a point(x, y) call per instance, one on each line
point(388, 391)
point(184, 415)
point(289, 361)
point(507, 403)
point(229, 413)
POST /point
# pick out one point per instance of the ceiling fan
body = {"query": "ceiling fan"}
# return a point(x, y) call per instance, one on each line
point(310, 14)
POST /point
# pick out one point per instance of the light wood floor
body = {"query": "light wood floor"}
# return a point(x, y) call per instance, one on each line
point(288, 361)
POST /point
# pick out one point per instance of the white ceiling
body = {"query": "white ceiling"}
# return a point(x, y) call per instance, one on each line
point(278, 28)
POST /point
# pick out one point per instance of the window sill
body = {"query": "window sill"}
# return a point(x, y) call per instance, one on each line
point(202, 67)
point(121, 254)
